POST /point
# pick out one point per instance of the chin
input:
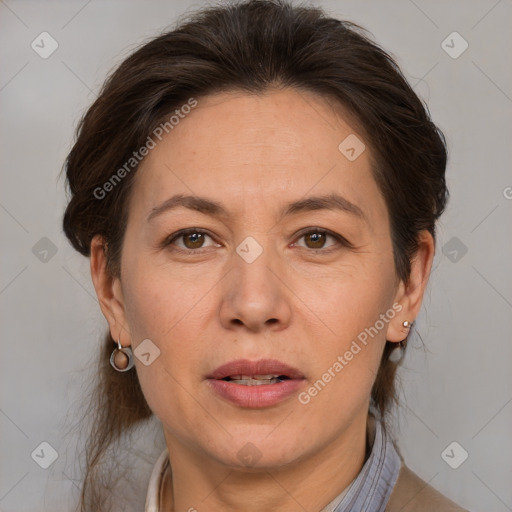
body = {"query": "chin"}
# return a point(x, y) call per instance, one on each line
point(260, 451)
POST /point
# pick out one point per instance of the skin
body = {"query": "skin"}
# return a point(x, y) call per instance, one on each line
point(300, 302)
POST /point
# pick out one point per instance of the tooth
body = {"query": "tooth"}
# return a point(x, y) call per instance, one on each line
point(260, 377)
point(254, 377)
point(257, 382)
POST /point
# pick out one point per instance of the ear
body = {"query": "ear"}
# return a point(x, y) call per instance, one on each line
point(410, 295)
point(109, 292)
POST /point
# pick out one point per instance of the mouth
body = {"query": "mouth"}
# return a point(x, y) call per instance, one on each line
point(256, 380)
point(255, 373)
point(255, 384)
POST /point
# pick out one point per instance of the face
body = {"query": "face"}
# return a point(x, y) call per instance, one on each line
point(286, 256)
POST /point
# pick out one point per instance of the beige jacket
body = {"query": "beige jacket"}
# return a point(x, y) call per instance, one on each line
point(412, 494)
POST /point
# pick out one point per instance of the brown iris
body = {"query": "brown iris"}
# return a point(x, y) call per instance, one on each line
point(317, 239)
point(193, 240)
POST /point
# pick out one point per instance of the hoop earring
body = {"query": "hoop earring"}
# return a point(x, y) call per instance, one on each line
point(121, 358)
point(397, 353)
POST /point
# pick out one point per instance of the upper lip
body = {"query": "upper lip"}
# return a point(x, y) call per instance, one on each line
point(252, 368)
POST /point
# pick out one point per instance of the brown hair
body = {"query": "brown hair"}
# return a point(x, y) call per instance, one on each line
point(249, 46)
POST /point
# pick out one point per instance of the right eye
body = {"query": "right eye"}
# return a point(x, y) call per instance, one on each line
point(191, 239)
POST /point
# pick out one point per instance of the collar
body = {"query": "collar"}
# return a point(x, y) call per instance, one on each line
point(371, 489)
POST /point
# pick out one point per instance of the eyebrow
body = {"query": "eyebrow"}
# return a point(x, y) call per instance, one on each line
point(215, 209)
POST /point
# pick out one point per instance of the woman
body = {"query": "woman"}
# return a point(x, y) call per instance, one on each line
point(257, 191)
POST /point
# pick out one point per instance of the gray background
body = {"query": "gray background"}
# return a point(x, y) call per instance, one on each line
point(457, 388)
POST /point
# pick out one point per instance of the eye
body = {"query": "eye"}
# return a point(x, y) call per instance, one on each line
point(315, 239)
point(191, 239)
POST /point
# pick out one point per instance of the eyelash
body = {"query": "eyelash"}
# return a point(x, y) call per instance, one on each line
point(183, 232)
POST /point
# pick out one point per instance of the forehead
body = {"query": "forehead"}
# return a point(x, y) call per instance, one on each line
point(278, 145)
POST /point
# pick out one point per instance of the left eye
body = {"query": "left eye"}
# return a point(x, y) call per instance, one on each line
point(317, 239)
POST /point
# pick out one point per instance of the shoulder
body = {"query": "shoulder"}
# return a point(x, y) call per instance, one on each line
point(412, 494)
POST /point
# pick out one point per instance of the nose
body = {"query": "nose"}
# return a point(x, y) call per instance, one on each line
point(255, 296)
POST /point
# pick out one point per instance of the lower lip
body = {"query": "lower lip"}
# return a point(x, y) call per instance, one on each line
point(256, 397)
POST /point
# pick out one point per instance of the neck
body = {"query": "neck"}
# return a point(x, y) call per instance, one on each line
point(309, 483)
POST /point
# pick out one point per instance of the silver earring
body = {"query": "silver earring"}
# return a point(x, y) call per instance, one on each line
point(398, 353)
point(121, 358)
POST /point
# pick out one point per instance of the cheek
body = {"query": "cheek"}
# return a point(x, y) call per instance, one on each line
point(171, 309)
point(347, 298)
point(159, 299)
point(346, 359)
point(352, 308)
point(160, 309)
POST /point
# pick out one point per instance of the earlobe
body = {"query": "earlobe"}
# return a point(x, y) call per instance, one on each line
point(398, 352)
point(108, 291)
point(399, 330)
